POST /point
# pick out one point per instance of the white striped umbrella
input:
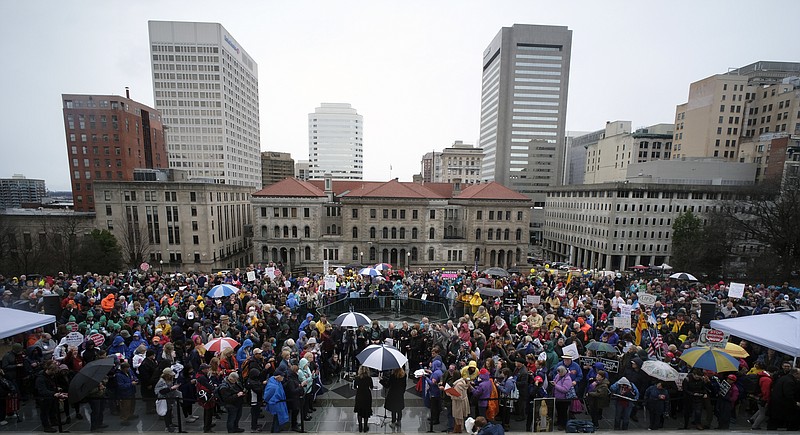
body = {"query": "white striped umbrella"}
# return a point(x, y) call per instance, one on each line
point(220, 344)
point(369, 271)
point(222, 291)
point(381, 357)
point(352, 320)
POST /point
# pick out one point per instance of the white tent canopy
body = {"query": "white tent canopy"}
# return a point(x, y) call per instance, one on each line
point(779, 331)
point(17, 321)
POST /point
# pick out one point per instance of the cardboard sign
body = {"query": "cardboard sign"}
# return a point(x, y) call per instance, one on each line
point(713, 338)
point(537, 299)
point(529, 300)
point(736, 290)
point(625, 310)
point(611, 366)
point(251, 275)
point(449, 274)
point(647, 299)
point(74, 339)
point(72, 327)
point(330, 282)
point(622, 322)
point(270, 272)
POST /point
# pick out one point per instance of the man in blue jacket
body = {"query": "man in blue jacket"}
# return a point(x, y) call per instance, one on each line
point(126, 392)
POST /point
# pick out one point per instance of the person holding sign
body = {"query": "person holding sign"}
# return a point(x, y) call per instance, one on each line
point(625, 395)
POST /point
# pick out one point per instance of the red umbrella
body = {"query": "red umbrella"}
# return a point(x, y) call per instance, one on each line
point(220, 344)
point(639, 267)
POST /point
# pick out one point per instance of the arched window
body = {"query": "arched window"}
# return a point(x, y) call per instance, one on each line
point(355, 253)
point(519, 234)
point(477, 255)
point(355, 232)
point(413, 254)
point(264, 231)
point(490, 234)
point(478, 234)
point(307, 232)
point(307, 254)
point(394, 233)
point(372, 254)
point(414, 233)
point(506, 233)
point(402, 233)
point(334, 229)
point(372, 233)
point(385, 233)
point(274, 254)
point(430, 254)
point(431, 233)
point(264, 252)
point(286, 231)
point(294, 232)
point(276, 231)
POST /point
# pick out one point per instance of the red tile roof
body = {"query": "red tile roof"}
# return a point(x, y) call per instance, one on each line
point(394, 189)
point(491, 190)
point(291, 187)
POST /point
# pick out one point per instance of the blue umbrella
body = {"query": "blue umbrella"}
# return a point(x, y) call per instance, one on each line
point(369, 271)
point(222, 291)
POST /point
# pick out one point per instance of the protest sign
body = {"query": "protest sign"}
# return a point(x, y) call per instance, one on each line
point(611, 366)
point(622, 322)
point(736, 290)
point(251, 276)
point(571, 350)
point(330, 282)
point(647, 299)
point(74, 338)
point(713, 338)
point(270, 272)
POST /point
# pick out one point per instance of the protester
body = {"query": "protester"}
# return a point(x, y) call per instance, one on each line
point(166, 389)
point(232, 395)
point(395, 385)
point(275, 398)
point(363, 399)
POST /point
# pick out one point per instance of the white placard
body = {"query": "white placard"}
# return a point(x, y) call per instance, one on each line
point(736, 290)
point(679, 382)
point(537, 299)
point(529, 299)
point(74, 339)
point(339, 271)
point(622, 322)
point(330, 282)
point(270, 272)
point(251, 275)
point(625, 310)
point(647, 299)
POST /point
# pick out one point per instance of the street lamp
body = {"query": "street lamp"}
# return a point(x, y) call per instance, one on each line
point(161, 266)
point(361, 254)
point(408, 259)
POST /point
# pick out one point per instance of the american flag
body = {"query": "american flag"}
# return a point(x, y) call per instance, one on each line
point(655, 345)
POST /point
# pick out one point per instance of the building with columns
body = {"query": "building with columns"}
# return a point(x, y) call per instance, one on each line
point(409, 225)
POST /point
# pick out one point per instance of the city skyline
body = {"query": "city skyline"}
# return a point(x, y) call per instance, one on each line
point(420, 89)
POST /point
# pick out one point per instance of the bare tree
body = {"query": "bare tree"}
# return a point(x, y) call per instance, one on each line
point(133, 241)
point(768, 217)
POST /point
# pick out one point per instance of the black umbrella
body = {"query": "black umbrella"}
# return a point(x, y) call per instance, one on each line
point(495, 271)
point(488, 291)
point(89, 378)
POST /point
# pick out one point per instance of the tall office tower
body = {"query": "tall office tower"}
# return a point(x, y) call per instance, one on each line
point(711, 122)
point(275, 167)
point(109, 136)
point(524, 107)
point(206, 87)
point(335, 142)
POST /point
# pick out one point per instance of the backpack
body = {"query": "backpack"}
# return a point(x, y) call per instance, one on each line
point(217, 390)
point(579, 426)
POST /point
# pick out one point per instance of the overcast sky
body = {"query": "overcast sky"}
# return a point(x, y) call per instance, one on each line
point(411, 68)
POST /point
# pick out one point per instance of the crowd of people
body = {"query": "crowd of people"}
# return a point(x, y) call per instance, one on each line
point(494, 358)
